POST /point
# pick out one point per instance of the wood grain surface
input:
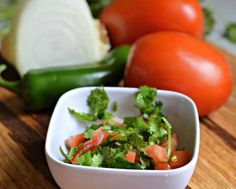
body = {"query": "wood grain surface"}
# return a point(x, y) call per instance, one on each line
point(22, 138)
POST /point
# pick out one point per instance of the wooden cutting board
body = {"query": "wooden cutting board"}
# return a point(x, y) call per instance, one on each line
point(22, 137)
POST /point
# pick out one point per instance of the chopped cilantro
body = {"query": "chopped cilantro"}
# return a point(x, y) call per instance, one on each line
point(119, 162)
point(136, 140)
point(107, 115)
point(145, 101)
point(114, 106)
point(89, 159)
point(136, 122)
point(71, 153)
point(98, 102)
point(82, 116)
point(97, 160)
point(85, 159)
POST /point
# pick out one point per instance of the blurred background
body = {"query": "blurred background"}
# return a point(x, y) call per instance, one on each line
point(220, 16)
point(223, 12)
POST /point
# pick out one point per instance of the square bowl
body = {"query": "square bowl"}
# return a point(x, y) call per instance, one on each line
point(178, 108)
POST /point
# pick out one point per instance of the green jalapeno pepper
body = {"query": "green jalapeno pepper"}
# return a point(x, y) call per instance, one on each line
point(41, 88)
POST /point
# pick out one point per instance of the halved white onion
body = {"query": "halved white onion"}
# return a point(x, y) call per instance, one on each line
point(49, 33)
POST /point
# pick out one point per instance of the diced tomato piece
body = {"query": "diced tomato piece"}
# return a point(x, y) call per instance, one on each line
point(87, 146)
point(74, 141)
point(99, 136)
point(162, 166)
point(115, 136)
point(130, 156)
point(157, 153)
point(179, 158)
point(174, 143)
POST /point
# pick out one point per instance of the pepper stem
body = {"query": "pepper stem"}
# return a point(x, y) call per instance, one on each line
point(13, 86)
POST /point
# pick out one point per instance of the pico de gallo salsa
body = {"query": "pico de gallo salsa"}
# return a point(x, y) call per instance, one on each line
point(146, 141)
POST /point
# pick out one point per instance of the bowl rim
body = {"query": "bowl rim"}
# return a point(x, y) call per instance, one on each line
point(189, 165)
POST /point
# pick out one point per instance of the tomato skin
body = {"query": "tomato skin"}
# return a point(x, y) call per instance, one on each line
point(179, 62)
point(162, 166)
point(74, 141)
point(157, 153)
point(130, 157)
point(99, 136)
point(87, 146)
point(182, 158)
point(128, 20)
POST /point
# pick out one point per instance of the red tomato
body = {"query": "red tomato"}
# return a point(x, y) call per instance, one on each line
point(128, 20)
point(162, 166)
point(174, 143)
point(130, 157)
point(99, 136)
point(87, 146)
point(179, 62)
point(75, 140)
point(157, 153)
point(179, 159)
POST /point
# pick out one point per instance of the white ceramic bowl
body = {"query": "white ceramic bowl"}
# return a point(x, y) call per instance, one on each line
point(181, 112)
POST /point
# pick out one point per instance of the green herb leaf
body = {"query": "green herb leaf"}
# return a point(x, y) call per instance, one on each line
point(98, 102)
point(114, 106)
point(97, 160)
point(113, 158)
point(136, 122)
point(145, 161)
point(136, 140)
point(107, 115)
point(96, 6)
point(82, 116)
point(119, 162)
point(145, 101)
point(209, 21)
point(72, 152)
point(62, 152)
point(168, 128)
point(116, 129)
point(230, 32)
point(157, 129)
point(85, 159)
